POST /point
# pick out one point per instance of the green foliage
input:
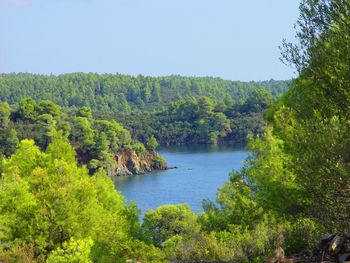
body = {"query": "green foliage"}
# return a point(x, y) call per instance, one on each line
point(197, 121)
point(47, 201)
point(293, 187)
point(167, 221)
point(295, 184)
point(236, 244)
point(27, 109)
point(114, 93)
point(314, 120)
point(9, 142)
point(139, 148)
point(84, 112)
point(46, 126)
point(74, 251)
point(5, 113)
point(50, 108)
point(160, 160)
point(259, 100)
point(169, 108)
point(82, 134)
point(152, 143)
point(96, 141)
point(303, 233)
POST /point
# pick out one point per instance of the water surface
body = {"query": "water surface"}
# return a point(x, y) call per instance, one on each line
point(201, 170)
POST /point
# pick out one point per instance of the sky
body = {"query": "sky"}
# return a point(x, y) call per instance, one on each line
point(231, 39)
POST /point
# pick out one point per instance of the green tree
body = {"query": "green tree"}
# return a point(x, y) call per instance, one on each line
point(139, 148)
point(260, 100)
point(206, 105)
point(74, 251)
point(51, 203)
point(146, 92)
point(228, 101)
point(27, 109)
point(46, 126)
point(82, 134)
point(5, 113)
point(156, 92)
point(167, 221)
point(49, 107)
point(10, 142)
point(84, 112)
point(152, 143)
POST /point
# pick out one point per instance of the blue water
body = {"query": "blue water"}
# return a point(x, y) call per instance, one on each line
point(202, 169)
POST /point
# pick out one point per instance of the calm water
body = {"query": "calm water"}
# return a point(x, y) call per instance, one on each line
point(202, 169)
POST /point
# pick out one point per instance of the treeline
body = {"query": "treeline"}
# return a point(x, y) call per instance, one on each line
point(176, 110)
point(201, 120)
point(113, 93)
point(96, 141)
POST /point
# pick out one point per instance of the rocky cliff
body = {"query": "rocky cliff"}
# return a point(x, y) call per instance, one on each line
point(128, 163)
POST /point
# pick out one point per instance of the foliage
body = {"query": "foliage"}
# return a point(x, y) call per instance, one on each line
point(112, 93)
point(293, 187)
point(295, 184)
point(152, 143)
point(51, 204)
point(173, 109)
point(139, 148)
point(95, 140)
point(74, 251)
point(167, 221)
point(202, 120)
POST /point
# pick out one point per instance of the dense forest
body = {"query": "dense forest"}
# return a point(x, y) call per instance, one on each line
point(96, 141)
point(114, 93)
point(201, 121)
point(176, 110)
point(293, 187)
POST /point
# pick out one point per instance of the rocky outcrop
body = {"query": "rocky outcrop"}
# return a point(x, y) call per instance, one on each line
point(128, 163)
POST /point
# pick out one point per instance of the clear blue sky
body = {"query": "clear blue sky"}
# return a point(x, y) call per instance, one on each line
point(232, 39)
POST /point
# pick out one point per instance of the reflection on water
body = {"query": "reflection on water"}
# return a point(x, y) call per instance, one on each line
point(202, 169)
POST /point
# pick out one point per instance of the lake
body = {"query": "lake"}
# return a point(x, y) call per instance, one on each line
point(201, 170)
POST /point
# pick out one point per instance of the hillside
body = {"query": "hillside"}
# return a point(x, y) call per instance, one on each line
point(106, 93)
point(99, 143)
point(175, 109)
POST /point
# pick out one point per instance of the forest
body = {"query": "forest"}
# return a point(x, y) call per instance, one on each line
point(97, 142)
point(293, 188)
point(175, 109)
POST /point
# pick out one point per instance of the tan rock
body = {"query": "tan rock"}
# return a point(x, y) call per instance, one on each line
point(128, 163)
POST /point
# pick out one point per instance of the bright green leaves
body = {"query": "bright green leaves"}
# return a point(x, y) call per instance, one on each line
point(27, 109)
point(60, 149)
point(51, 203)
point(83, 134)
point(269, 171)
point(167, 221)
point(152, 143)
point(74, 251)
point(27, 158)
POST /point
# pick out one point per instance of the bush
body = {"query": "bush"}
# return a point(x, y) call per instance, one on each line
point(167, 221)
point(152, 143)
point(303, 234)
point(139, 148)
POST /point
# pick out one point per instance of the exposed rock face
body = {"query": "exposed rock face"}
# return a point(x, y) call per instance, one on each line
point(128, 163)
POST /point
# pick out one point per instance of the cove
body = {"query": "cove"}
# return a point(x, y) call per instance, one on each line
point(201, 170)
